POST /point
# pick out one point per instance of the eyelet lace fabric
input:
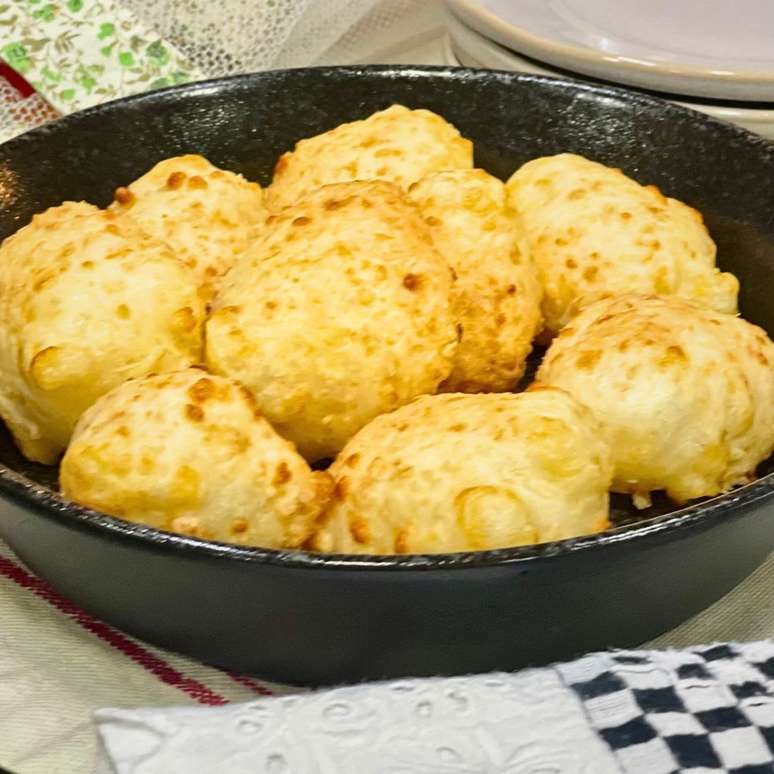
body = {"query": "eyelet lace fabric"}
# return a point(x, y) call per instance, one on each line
point(704, 709)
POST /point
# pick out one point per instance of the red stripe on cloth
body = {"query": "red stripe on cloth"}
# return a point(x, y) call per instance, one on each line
point(16, 80)
point(250, 683)
point(120, 642)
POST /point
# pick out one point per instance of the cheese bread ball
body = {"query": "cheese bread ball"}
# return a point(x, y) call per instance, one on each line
point(396, 144)
point(593, 231)
point(205, 214)
point(496, 293)
point(189, 452)
point(86, 301)
point(684, 395)
point(458, 472)
point(338, 312)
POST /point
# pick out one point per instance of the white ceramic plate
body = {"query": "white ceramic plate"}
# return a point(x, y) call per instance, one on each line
point(705, 48)
point(468, 48)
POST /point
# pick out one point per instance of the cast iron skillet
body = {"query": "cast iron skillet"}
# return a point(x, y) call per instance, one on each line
point(316, 619)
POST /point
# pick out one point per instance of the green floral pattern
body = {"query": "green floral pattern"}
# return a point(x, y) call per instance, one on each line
point(78, 53)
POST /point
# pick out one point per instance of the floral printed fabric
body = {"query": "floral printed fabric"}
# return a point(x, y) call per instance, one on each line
point(78, 53)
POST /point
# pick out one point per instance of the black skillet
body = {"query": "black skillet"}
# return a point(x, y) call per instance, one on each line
point(316, 619)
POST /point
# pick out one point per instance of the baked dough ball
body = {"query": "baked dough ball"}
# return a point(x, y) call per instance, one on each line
point(189, 452)
point(685, 395)
point(205, 214)
point(396, 144)
point(469, 472)
point(338, 312)
point(86, 301)
point(496, 293)
point(594, 231)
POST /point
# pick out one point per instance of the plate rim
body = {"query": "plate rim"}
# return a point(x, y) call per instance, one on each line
point(456, 29)
point(628, 70)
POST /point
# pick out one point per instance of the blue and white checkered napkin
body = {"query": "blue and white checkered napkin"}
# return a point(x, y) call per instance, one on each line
point(708, 709)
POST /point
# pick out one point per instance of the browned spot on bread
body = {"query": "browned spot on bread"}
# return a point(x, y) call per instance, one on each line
point(175, 180)
point(359, 529)
point(401, 542)
point(571, 263)
point(673, 354)
point(303, 220)
point(238, 526)
point(433, 221)
point(123, 431)
point(201, 390)
point(412, 281)
point(87, 264)
point(185, 319)
point(42, 282)
point(122, 310)
point(341, 488)
point(197, 182)
point(249, 398)
point(194, 413)
point(124, 196)
point(510, 290)
point(282, 164)
point(352, 460)
point(282, 474)
point(588, 359)
point(590, 273)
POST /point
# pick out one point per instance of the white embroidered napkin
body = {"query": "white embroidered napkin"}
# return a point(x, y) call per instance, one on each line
point(528, 722)
point(639, 712)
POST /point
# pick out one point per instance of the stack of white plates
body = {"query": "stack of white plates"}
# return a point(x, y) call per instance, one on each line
point(710, 55)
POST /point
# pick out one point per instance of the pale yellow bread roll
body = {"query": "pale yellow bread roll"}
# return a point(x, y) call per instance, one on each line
point(189, 452)
point(206, 215)
point(684, 395)
point(594, 231)
point(458, 472)
point(86, 301)
point(396, 144)
point(338, 312)
point(496, 292)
